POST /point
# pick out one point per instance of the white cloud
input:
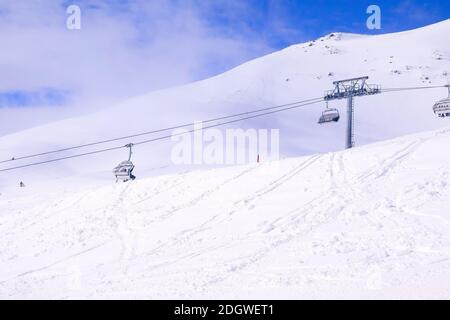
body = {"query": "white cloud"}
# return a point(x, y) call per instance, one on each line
point(122, 50)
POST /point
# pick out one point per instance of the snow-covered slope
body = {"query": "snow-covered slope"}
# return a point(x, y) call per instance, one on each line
point(372, 222)
point(417, 57)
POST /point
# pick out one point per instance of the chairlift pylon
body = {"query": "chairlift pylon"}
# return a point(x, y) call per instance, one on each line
point(124, 171)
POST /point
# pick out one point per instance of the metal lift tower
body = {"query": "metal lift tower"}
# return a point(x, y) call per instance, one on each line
point(347, 89)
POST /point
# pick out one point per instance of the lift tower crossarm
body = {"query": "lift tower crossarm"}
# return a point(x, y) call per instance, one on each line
point(347, 89)
point(351, 87)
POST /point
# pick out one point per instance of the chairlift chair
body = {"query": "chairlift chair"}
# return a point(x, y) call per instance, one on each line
point(124, 171)
point(329, 115)
point(442, 108)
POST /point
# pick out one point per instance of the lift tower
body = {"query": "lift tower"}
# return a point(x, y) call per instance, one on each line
point(347, 89)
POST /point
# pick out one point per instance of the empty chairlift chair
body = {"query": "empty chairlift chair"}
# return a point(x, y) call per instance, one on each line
point(329, 115)
point(124, 171)
point(442, 108)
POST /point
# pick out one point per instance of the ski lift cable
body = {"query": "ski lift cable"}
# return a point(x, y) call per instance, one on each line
point(63, 158)
point(155, 131)
point(412, 88)
point(224, 123)
point(157, 139)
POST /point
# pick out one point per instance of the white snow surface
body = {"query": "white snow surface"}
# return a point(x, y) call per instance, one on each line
point(372, 222)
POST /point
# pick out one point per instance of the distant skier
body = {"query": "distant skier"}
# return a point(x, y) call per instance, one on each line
point(21, 184)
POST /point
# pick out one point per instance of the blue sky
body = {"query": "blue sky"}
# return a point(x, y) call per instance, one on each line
point(130, 47)
point(45, 96)
point(284, 22)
